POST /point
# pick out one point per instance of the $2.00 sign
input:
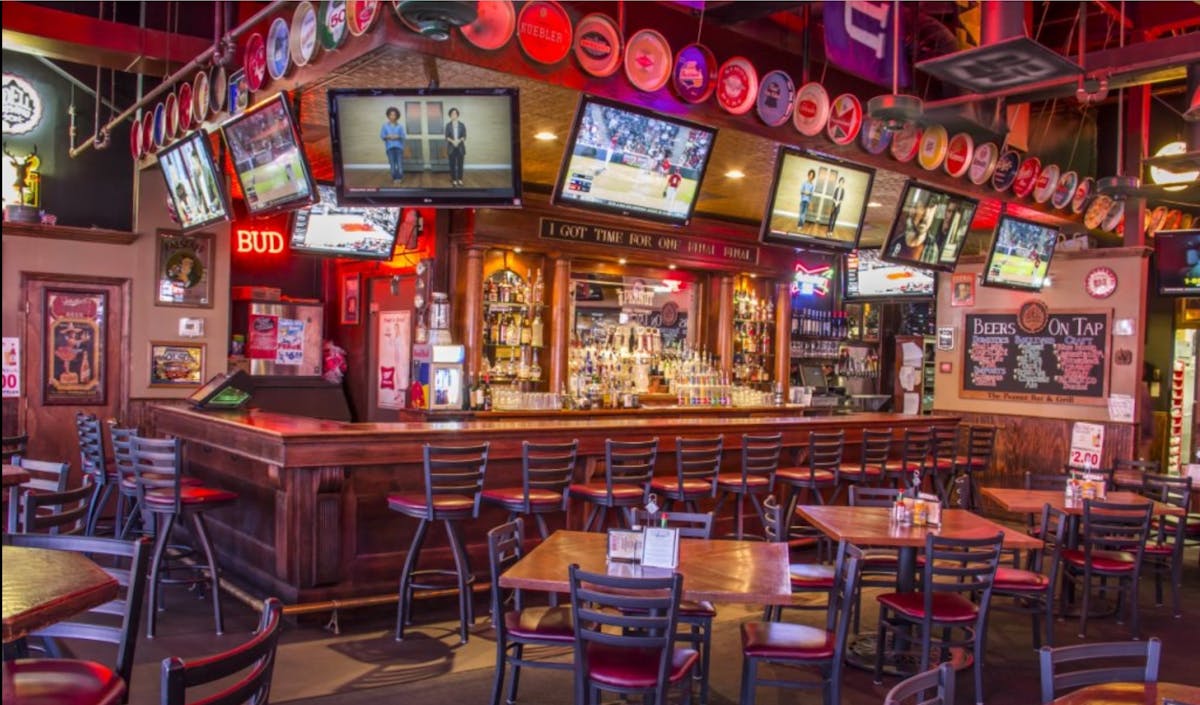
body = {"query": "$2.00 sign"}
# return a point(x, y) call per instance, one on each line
point(1087, 444)
point(12, 367)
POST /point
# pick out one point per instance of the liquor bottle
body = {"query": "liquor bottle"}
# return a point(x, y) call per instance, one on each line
point(536, 330)
point(539, 289)
point(514, 330)
point(487, 394)
point(501, 334)
point(526, 331)
point(468, 393)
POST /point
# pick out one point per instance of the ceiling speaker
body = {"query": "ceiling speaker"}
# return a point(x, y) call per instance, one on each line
point(433, 19)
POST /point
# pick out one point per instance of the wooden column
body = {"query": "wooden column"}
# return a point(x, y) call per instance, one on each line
point(560, 324)
point(473, 307)
point(783, 333)
point(723, 347)
point(1137, 145)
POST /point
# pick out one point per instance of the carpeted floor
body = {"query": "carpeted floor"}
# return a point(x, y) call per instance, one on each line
point(365, 665)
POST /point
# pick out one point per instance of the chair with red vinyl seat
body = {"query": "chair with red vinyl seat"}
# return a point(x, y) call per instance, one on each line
point(94, 465)
point(1031, 588)
point(981, 446)
point(58, 680)
point(625, 637)
point(1144, 670)
point(1164, 553)
point(1112, 546)
point(697, 464)
point(453, 488)
point(546, 472)
point(628, 471)
point(955, 570)
point(516, 625)
point(806, 578)
point(166, 499)
point(872, 462)
point(760, 460)
point(879, 565)
point(940, 679)
point(912, 465)
point(790, 644)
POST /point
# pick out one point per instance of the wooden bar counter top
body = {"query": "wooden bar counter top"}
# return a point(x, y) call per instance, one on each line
point(311, 521)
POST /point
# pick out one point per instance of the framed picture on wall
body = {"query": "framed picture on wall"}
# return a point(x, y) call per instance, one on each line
point(184, 269)
point(73, 328)
point(962, 290)
point(351, 298)
point(176, 364)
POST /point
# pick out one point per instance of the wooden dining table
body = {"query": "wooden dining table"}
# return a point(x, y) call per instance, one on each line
point(747, 572)
point(1133, 694)
point(1022, 501)
point(43, 586)
point(13, 478)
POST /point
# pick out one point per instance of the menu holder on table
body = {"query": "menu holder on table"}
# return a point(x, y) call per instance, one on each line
point(624, 546)
point(933, 508)
point(660, 547)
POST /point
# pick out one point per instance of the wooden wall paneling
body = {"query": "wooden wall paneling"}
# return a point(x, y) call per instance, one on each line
point(783, 335)
point(560, 293)
point(472, 307)
point(723, 344)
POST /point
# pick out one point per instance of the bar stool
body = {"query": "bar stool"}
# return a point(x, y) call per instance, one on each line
point(57, 680)
point(873, 455)
point(546, 472)
point(943, 453)
point(697, 464)
point(824, 459)
point(628, 470)
point(166, 499)
point(981, 445)
point(760, 461)
point(915, 450)
point(94, 465)
point(453, 485)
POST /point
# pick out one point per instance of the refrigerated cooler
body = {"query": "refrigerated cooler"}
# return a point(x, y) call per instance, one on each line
point(1181, 427)
point(279, 339)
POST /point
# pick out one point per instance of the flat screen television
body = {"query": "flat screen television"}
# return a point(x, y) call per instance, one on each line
point(432, 147)
point(268, 157)
point(328, 229)
point(194, 184)
point(869, 277)
point(1020, 255)
point(816, 201)
point(930, 227)
point(1177, 262)
point(633, 161)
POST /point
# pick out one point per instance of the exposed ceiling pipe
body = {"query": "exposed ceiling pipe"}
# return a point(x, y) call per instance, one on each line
point(228, 40)
point(66, 76)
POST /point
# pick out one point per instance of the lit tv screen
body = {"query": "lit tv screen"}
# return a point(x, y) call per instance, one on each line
point(869, 277)
point(930, 228)
point(445, 147)
point(326, 228)
point(1177, 262)
point(633, 161)
point(1020, 256)
point(816, 201)
point(194, 183)
point(268, 157)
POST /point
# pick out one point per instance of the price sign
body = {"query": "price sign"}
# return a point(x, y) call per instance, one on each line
point(12, 367)
point(1087, 443)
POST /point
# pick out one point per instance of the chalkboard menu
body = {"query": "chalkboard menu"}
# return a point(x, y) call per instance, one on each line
point(1035, 355)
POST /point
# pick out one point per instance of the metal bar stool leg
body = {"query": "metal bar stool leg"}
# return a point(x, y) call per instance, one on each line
point(160, 550)
point(404, 611)
point(206, 545)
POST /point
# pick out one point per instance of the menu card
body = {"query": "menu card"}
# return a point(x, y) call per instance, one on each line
point(624, 545)
point(660, 547)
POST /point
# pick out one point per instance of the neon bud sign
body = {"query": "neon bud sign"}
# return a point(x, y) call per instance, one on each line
point(814, 281)
point(258, 242)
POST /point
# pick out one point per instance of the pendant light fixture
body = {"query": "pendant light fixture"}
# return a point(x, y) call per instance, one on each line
point(896, 109)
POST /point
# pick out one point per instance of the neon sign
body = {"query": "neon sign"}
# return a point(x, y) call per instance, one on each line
point(258, 242)
point(22, 105)
point(812, 281)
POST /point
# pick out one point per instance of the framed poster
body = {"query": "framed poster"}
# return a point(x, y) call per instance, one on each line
point(176, 364)
point(184, 269)
point(350, 298)
point(962, 290)
point(73, 328)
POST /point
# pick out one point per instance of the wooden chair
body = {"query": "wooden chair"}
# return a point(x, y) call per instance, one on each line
point(1113, 547)
point(519, 626)
point(791, 644)
point(760, 461)
point(625, 637)
point(254, 659)
point(546, 473)
point(1148, 651)
point(628, 470)
point(128, 562)
point(911, 690)
point(697, 464)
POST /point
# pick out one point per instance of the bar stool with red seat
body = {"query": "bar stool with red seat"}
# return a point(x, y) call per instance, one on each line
point(981, 446)
point(943, 450)
point(453, 486)
point(760, 461)
point(93, 463)
point(628, 471)
point(1113, 546)
point(910, 467)
point(158, 465)
point(697, 464)
point(873, 455)
point(58, 680)
point(546, 472)
point(824, 458)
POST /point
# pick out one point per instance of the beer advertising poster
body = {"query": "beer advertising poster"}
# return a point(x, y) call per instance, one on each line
point(74, 335)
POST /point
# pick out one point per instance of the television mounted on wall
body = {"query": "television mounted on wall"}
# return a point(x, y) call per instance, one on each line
point(869, 277)
point(331, 230)
point(194, 184)
point(816, 201)
point(1020, 254)
point(633, 161)
point(431, 147)
point(1177, 262)
point(268, 157)
point(930, 227)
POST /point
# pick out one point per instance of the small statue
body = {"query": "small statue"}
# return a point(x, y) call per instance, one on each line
point(22, 165)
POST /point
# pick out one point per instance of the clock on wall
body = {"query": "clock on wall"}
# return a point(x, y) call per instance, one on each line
point(1100, 283)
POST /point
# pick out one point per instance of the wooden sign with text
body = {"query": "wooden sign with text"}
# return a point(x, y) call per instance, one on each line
point(707, 249)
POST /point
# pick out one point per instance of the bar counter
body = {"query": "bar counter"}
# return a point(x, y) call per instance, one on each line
point(312, 523)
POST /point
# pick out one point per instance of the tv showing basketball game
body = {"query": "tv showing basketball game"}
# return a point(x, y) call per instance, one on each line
point(326, 228)
point(816, 201)
point(868, 277)
point(1177, 262)
point(633, 161)
point(268, 157)
point(193, 183)
point(1020, 256)
point(433, 147)
point(930, 228)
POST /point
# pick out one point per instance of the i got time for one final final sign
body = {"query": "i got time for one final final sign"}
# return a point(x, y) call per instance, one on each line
point(707, 249)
